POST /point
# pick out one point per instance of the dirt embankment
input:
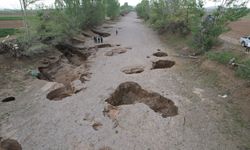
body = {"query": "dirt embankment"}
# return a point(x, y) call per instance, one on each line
point(238, 29)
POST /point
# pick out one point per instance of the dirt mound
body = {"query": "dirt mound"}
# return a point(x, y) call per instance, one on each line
point(116, 51)
point(8, 99)
point(161, 64)
point(133, 70)
point(160, 54)
point(10, 144)
point(130, 93)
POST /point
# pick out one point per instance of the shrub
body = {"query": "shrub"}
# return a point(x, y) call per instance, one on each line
point(243, 70)
point(221, 57)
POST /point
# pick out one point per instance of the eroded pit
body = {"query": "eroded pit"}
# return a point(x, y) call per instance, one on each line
point(162, 64)
point(69, 68)
point(8, 99)
point(133, 69)
point(160, 54)
point(59, 94)
point(130, 93)
point(10, 144)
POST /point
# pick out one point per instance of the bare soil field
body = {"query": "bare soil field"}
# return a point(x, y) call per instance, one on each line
point(11, 24)
point(238, 29)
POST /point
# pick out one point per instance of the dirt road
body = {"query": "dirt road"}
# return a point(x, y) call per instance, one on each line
point(84, 122)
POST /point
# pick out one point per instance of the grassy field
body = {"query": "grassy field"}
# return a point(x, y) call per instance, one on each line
point(7, 31)
point(4, 18)
point(9, 19)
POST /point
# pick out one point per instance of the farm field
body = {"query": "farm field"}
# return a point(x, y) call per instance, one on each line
point(9, 23)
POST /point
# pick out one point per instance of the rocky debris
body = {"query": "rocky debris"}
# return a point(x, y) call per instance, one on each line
point(77, 86)
point(111, 112)
point(97, 125)
point(103, 34)
point(67, 90)
point(10, 144)
point(50, 86)
point(161, 64)
point(160, 54)
point(133, 69)
point(11, 47)
point(116, 51)
point(68, 70)
point(8, 99)
point(130, 93)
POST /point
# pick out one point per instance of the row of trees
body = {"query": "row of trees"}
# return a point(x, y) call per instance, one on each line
point(189, 17)
point(66, 18)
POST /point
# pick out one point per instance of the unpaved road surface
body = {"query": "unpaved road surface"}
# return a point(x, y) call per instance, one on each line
point(84, 121)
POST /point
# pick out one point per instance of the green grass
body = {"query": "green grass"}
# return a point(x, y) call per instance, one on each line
point(221, 57)
point(4, 18)
point(244, 70)
point(7, 31)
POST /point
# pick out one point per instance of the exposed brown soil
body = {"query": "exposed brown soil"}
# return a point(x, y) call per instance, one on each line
point(8, 99)
point(11, 24)
point(238, 29)
point(133, 70)
point(161, 64)
point(10, 144)
point(66, 69)
point(104, 45)
point(160, 54)
point(104, 34)
point(130, 93)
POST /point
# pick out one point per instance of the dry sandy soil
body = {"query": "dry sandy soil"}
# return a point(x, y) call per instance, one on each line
point(11, 24)
point(191, 114)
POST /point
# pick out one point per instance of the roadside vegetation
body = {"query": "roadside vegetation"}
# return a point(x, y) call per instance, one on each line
point(45, 26)
point(190, 18)
point(189, 21)
point(7, 31)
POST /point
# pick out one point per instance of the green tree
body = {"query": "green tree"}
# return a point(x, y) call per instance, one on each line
point(112, 8)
